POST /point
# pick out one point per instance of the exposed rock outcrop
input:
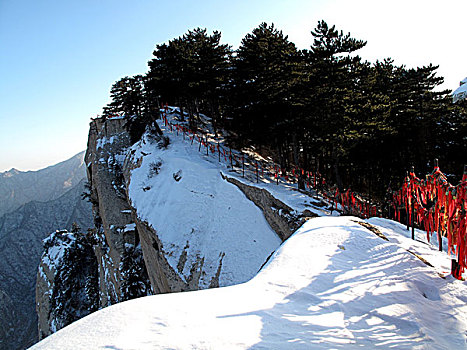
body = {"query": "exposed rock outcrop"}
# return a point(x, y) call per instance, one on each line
point(282, 219)
point(114, 224)
point(163, 278)
point(158, 202)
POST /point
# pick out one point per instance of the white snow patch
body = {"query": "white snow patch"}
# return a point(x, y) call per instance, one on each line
point(198, 214)
point(129, 227)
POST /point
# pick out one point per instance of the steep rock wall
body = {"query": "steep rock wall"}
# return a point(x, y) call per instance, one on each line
point(203, 230)
point(114, 226)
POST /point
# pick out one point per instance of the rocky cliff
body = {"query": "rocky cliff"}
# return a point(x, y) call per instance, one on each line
point(169, 219)
point(115, 228)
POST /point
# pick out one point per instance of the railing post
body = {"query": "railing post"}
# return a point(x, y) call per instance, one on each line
point(407, 203)
point(412, 200)
point(243, 164)
point(230, 155)
point(413, 216)
point(257, 175)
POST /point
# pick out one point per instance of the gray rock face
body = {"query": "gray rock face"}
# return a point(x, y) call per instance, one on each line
point(115, 228)
point(119, 233)
point(18, 187)
point(282, 219)
point(21, 235)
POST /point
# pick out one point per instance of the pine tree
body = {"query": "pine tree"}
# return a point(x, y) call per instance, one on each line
point(190, 71)
point(263, 77)
point(127, 97)
point(75, 291)
point(135, 277)
point(333, 75)
point(135, 98)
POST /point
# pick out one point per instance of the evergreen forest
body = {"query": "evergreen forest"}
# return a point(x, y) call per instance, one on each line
point(360, 124)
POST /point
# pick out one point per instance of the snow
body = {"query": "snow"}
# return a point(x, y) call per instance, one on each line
point(100, 143)
point(461, 92)
point(333, 284)
point(129, 227)
point(202, 221)
point(53, 256)
point(397, 233)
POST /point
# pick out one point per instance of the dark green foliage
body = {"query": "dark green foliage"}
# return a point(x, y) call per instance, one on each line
point(127, 97)
point(360, 124)
point(191, 71)
point(118, 180)
point(87, 193)
point(154, 168)
point(135, 277)
point(264, 70)
point(133, 98)
point(75, 291)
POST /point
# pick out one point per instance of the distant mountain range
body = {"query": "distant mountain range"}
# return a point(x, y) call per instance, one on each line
point(32, 205)
point(20, 187)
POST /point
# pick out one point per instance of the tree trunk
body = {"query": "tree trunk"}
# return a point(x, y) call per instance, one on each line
point(335, 157)
point(301, 182)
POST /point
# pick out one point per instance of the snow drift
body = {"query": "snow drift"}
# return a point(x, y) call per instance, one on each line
point(333, 284)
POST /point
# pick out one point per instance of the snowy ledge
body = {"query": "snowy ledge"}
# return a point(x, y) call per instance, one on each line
point(333, 284)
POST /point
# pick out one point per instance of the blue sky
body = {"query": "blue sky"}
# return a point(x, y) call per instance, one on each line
point(58, 59)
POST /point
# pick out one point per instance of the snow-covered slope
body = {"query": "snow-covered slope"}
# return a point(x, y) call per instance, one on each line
point(210, 233)
point(333, 284)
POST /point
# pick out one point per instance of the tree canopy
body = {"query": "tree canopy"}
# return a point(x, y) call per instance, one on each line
point(325, 109)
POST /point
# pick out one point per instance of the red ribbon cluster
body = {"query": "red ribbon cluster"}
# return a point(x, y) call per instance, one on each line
point(354, 204)
point(438, 207)
point(349, 201)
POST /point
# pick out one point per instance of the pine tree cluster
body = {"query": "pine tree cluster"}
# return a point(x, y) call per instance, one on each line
point(135, 277)
point(75, 292)
point(324, 109)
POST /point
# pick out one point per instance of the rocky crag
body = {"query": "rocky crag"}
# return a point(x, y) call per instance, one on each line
point(166, 220)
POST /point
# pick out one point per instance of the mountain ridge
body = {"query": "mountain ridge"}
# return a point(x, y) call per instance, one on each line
point(21, 233)
point(20, 187)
